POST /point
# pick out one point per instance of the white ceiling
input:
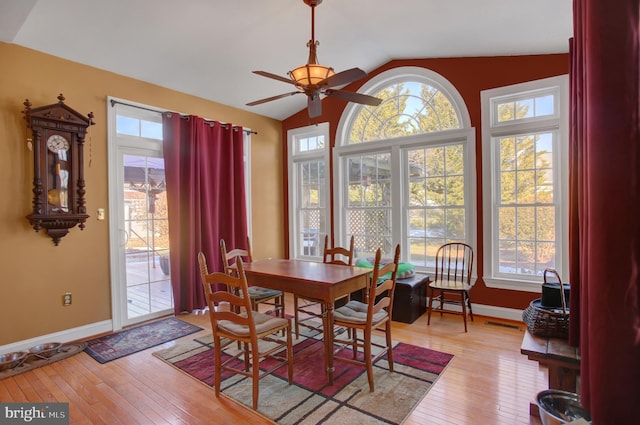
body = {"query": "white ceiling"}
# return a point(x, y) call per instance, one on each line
point(208, 48)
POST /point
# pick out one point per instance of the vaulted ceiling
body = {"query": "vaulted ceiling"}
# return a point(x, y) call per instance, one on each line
point(208, 48)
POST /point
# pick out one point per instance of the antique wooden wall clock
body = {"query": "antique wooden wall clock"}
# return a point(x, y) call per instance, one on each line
point(58, 134)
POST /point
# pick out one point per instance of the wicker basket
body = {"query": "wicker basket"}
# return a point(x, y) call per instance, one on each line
point(547, 322)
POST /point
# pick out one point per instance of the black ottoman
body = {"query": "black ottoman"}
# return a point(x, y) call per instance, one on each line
point(410, 298)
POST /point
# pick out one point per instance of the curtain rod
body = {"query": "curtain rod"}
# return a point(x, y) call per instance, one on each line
point(183, 116)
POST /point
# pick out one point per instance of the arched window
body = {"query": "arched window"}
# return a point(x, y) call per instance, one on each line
point(405, 169)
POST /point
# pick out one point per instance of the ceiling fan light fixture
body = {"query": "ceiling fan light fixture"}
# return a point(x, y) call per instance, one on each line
point(310, 74)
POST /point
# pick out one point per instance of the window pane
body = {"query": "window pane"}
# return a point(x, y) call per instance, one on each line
point(371, 229)
point(127, 125)
point(507, 257)
point(525, 219)
point(526, 185)
point(508, 188)
point(455, 191)
point(507, 227)
point(525, 158)
point(545, 223)
point(544, 105)
point(152, 130)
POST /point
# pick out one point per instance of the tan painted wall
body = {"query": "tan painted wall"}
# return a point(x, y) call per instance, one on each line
point(34, 273)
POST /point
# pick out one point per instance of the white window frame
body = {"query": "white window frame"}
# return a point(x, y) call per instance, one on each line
point(557, 123)
point(398, 147)
point(295, 157)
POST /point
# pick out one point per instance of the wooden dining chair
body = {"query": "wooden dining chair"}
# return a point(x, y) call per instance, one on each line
point(257, 295)
point(374, 313)
point(239, 322)
point(452, 283)
point(309, 312)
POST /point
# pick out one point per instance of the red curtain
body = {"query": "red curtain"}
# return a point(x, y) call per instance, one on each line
point(605, 233)
point(204, 169)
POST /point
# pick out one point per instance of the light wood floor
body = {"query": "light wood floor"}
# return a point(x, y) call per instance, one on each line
point(487, 382)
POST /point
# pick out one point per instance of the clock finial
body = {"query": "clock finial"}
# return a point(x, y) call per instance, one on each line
point(61, 98)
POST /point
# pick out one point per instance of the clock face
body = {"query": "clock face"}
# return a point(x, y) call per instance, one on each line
point(57, 143)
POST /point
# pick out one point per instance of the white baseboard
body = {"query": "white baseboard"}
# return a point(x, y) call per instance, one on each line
point(79, 333)
point(497, 312)
point(489, 311)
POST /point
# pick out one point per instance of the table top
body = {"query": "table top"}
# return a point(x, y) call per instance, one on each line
point(308, 271)
point(549, 348)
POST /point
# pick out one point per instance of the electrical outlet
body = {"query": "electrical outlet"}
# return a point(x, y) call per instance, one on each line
point(66, 299)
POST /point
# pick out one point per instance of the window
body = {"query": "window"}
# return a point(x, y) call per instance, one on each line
point(405, 170)
point(525, 139)
point(308, 190)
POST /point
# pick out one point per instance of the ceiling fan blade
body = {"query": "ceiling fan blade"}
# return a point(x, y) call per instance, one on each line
point(269, 99)
point(314, 105)
point(354, 97)
point(275, 77)
point(344, 77)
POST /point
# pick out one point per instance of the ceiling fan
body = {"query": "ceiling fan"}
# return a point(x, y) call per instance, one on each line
point(314, 79)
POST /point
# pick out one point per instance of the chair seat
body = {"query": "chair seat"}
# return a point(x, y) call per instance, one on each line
point(260, 293)
point(450, 284)
point(356, 312)
point(264, 323)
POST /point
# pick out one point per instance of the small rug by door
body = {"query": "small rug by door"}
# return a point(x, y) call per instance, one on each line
point(311, 400)
point(129, 341)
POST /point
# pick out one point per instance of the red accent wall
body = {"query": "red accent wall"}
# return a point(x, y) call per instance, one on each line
point(470, 76)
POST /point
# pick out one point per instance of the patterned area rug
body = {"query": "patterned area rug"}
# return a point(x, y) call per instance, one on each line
point(311, 400)
point(129, 341)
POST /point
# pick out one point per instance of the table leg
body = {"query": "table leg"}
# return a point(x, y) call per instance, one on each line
point(328, 341)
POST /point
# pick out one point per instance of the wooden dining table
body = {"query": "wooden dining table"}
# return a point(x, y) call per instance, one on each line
point(311, 280)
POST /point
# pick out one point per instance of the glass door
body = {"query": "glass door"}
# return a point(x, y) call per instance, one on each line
point(145, 243)
point(138, 224)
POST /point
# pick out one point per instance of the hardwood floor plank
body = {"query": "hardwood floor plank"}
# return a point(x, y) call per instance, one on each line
point(488, 381)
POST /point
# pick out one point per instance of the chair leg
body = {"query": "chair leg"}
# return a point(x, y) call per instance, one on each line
point(217, 366)
point(469, 304)
point(430, 307)
point(367, 358)
point(387, 330)
point(255, 376)
point(463, 302)
point(354, 346)
point(289, 355)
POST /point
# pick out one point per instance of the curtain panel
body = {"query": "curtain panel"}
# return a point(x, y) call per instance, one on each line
point(605, 207)
point(204, 167)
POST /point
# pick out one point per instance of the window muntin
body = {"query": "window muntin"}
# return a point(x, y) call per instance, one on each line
point(525, 173)
point(311, 143)
point(308, 190)
point(368, 202)
point(529, 106)
point(135, 126)
point(436, 200)
point(404, 137)
point(311, 206)
point(525, 210)
point(407, 108)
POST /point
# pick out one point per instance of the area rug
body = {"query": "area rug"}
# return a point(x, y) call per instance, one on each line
point(119, 344)
point(311, 400)
point(34, 361)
